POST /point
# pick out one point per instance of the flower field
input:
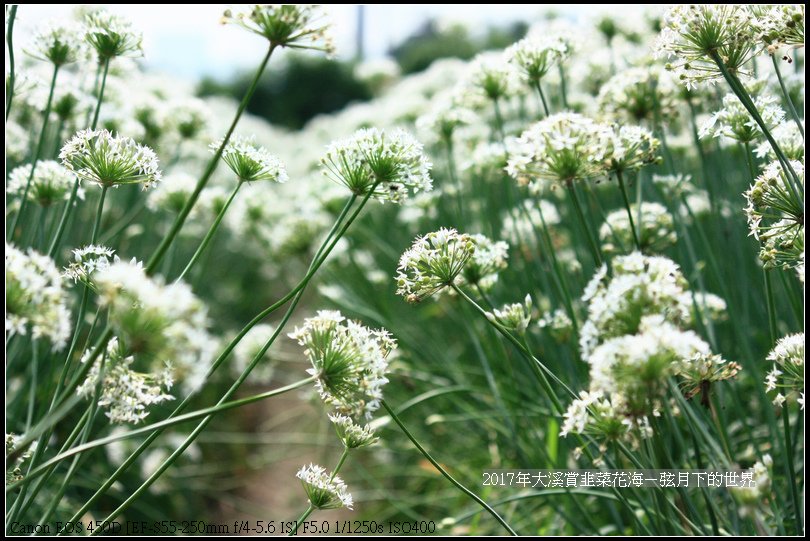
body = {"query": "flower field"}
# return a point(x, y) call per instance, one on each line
point(584, 251)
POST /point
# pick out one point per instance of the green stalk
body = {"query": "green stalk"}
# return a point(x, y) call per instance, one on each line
point(158, 426)
point(499, 120)
point(32, 395)
point(211, 231)
point(45, 116)
point(9, 39)
point(105, 71)
point(769, 299)
point(158, 255)
point(451, 169)
point(796, 118)
point(790, 471)
point(563, 90)
point(539, 89)
point(597, 258)
point(57, 239)
point(620, 177)
point(444, 473)
point(301, 519)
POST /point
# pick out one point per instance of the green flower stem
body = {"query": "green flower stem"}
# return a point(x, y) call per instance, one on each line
point(211, 231)
point(453, 173)
point(310, 508)
point(301, 519)
point(539, 89)
point(738, 89)
point(540, 369)
point(12, 14)
point(563, 90)
point(160, 425)
point(444, 473)
point(32, 395)
point(320, 257)
point(105, 70)
point(597, 258)
point(796, 118)
point(499, 120)
point(623, 188)
point(45, 116)
point(790, 471)
point(158, 255)
point(769, 300)
point(57, 239)
point(99, 211)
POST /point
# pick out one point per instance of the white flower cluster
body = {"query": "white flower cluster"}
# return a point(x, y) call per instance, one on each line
point(488, 79)
point(641, 94)
point(324, 491)
point(124, 394)
point(488, 259)
point(250, 162)
point(389, 163)
point(559, 150)
point(58, 43)
point(88, 260)
point(734, 121)
point(776, 216)
point(102, 158)
point(640, 285)
point(633, 340)
point(50, 184)
point(432, 263)
point(352, 434)
point(14, 471)
point(695, 36)
point(349, 361)
point(535, 55)
point(752, 498)
point(514, 317)
point(630, 148)
point(35, 297)
point(157, 323)
point(780, 25)
point(112, 36)
point(790, 140)
point(298, 26)
point(654, 225)
point(787, 375)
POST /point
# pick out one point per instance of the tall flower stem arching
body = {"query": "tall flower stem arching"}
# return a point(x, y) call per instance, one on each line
point(738, 89)
point(211, 231)
point(623, 189)
point(791, 107)
point(45, 116)
point(444, 473)
point(160, 252)
point(12, 15)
